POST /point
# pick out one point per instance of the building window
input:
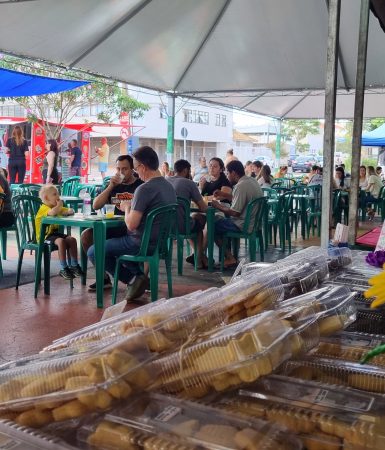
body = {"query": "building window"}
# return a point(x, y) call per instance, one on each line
point(220, 120)
point(192, 116)
point(162, 112)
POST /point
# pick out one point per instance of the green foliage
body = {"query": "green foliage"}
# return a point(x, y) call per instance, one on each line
point(372, 124)
point(296, 131)
point(369, 162)
point(110, 95)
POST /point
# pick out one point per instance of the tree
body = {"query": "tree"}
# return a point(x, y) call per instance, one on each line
point(113, 98)
point(296, 130)
point(372, 124)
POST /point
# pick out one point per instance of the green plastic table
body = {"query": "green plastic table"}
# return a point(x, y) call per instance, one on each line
point(99, 227)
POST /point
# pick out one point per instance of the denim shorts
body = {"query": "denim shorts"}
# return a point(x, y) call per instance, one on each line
point(103, 166)
point(223, 225)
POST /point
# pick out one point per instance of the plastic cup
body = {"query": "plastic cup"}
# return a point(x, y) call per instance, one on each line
point(110, 209)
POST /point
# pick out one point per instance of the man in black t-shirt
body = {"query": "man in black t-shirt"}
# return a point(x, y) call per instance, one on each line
point(76, 158)
point(123, 181)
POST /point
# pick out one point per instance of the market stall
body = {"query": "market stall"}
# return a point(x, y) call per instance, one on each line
point(273, 359)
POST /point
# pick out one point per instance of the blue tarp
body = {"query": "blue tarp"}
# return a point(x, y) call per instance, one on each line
point(17, 84)
point(375, 138)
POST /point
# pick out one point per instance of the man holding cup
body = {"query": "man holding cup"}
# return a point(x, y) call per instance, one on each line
point(124, 181)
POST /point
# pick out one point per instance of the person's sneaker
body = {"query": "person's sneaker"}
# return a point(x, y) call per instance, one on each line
point(137, 288)
point(190, 259)
point(77, 271)
point(66, 273)
point(107, 284)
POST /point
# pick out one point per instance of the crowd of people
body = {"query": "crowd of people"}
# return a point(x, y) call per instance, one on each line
point(227, 186)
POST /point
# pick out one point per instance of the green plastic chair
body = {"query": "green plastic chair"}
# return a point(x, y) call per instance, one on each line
point(279, 220)
point(314, 211)
point(30, 189)
point(25, 208)
point(187, 234)
point(255, 234)
point(69, 186)
point(165, 218)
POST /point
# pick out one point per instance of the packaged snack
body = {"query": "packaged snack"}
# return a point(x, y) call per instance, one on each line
point(159, 422)
point(16, 437)
point(323, 417)
point(227, 357)
point(364, 377)
point(67, 387)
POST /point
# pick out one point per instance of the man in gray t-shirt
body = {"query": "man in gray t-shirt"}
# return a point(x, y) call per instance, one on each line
point(246, 189)
point(153, 193)
point(186, 188)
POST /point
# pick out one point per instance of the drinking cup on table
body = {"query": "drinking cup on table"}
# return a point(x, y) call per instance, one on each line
point(110, 209)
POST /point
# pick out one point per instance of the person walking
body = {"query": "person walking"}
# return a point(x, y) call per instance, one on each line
point(104, 153)
point(50, 173)
point(17, 150)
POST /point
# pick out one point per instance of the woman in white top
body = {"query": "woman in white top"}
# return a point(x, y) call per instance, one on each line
point(363, 182)
point(265, 179)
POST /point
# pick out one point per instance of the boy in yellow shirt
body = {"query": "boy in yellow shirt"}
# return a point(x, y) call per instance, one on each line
point(53, 206)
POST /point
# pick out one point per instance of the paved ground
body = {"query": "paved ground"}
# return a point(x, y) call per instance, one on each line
point(27, 325)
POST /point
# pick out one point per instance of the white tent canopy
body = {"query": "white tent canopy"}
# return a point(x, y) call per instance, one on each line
point(265, 56)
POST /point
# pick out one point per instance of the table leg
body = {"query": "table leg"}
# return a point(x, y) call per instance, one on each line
point(38, 259)
point(83, 261)
point(210, 215)
point(99, 243)
point(303, 217)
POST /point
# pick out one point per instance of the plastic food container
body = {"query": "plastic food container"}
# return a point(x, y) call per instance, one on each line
point(369, 321)
point(323, 417)
point(164, 325)
point(62, 388)
point(339, 257)
point(155, 422)
point(229, 356)
point(364, 377)
point(16, 437)
point(355, 339)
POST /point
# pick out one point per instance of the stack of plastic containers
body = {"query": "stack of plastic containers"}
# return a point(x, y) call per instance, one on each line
point(157, 422)
point(53, 388)
point(323, 417)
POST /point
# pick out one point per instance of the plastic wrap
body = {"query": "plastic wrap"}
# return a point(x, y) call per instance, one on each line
point(369, 321)
point(157, 422)
point(66, 387)
point(364, 377)
point(229, 356)
point(323, 417)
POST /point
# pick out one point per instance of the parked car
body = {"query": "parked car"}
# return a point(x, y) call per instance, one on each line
point(265, 160)
point(303, 163)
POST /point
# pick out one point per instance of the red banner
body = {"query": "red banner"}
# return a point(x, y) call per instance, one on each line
point(35, 161)
point(85, 169)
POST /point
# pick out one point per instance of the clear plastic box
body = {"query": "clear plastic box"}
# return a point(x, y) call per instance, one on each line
point(339, 257)
point(364, 377)
point(369, 321)
point(166, 324)
point(16, 437)
point(356, 339)
point(62, 388)
point(323, 417)
point(157, 422)
point(229, 356)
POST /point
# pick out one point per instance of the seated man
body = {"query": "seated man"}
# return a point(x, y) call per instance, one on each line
point(245, 190)
point(315, 178)
point(156, 191)
point(123, 181)
point(186, 188)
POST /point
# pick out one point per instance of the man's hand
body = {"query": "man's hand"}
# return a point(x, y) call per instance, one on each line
point(218, 194)
point(115, 180)
point(216, 204)
point(125, 205)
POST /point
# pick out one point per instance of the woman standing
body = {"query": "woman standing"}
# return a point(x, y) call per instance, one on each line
point(104, 155)
point(17, 150)
point(50, 173)
point(216, 179)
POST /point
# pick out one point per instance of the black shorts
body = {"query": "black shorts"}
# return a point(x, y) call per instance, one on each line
point(51, 238)
point(197, 226)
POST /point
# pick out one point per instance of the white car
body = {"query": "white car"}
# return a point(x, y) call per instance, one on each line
point(265, 160)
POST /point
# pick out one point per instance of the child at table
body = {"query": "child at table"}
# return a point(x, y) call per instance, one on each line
point(53, 206)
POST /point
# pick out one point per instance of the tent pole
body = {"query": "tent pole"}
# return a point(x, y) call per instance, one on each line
point(330, 116)
point(358, 115)
point(170, 129)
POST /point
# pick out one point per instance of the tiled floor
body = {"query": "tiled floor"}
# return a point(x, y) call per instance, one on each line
point(27, 325)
